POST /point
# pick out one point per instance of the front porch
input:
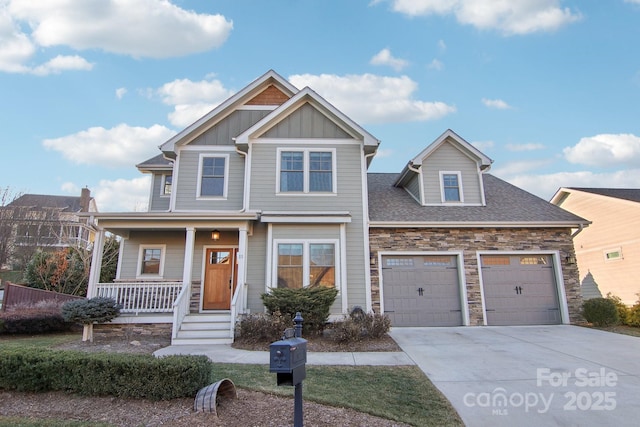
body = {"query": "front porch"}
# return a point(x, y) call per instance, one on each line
point(202, 306)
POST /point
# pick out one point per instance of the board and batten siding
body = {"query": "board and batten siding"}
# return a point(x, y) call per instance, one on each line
point(230, 127)
point(174, 256)
point(306, 122)
point(449, 158)
point(349, 160)
point(186, 185)
point(158, 201)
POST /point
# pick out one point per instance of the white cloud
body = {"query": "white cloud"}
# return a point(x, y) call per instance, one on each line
point(62, 63)
point(632, 1)
point(509, 17)
point(383, 153)
point(605, 150)
point(483, 145)
point(384, 57)
point(546, 185)
point(520, 166)
point(121, 92)
point(122, 195)
point(497, 104)
point(140, 28)
point(113, 147)
point(435, 65)
point(191, 100)
point(368, 98)
point(442, 45)
point(524, 147)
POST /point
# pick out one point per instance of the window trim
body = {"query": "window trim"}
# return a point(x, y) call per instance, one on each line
point(141, 249)
point(163, 183)
point(442, 188)
point(306, 171)
point(306, 254)
point(606, 252)
point(225, 185)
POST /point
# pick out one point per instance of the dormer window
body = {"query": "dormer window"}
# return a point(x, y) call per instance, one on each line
point(451, 187)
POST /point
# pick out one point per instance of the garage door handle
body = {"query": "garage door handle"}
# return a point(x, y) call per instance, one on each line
point(388, 311)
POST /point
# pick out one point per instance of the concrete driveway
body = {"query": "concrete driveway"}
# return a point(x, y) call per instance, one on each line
point(531, 375)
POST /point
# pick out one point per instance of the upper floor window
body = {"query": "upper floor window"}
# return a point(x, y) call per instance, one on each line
point(212, 179)
point(167, 180)
point(613, 254)
point(306, 264)
point(451, 186)
point(306, 171)
point(151, 260)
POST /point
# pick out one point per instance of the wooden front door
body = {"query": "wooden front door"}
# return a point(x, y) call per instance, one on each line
point(219, 279)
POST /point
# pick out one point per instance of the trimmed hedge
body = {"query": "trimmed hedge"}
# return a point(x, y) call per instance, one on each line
point(33, 321)
point(313, 303)
point(601, 312)
point(104, 374)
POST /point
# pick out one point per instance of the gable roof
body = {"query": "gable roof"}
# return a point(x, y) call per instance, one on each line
point(226, 107)
point(43, 201)
point(506, 206)
point(156, 163)
point(307, 95)
point(472, 152)
point(631, 194)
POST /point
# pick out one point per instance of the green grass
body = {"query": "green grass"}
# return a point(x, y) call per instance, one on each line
point(399, 393)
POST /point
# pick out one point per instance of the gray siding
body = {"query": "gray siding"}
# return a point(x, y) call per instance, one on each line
point(306, 122)
point(413, 186)
point(256, 263)
point(174, 257)
point(186, 184)
point(449, 158)
point(158, 202)
point(232, 126)
point(349, 158)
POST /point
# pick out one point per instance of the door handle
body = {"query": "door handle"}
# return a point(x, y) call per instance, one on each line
point(420, 291)
point(518, 290)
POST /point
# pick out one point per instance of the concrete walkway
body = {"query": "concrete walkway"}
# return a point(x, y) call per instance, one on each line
point(226, 354)
point(531, 375)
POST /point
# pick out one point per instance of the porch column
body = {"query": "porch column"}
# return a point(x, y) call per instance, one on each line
point(188, 256)
point(242, 267)
point(96, 263)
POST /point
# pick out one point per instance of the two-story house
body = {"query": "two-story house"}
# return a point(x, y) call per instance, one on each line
point(270, 189)
point(45, 222)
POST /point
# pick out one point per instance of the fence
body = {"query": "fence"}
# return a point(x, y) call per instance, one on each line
point(18, 295)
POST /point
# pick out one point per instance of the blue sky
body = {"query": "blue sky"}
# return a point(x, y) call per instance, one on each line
point(549, 89)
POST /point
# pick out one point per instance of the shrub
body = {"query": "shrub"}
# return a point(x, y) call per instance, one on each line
point(359, 325)
point(633, 314)
point(600, 312)
point(38, 318)
point(623, 310)
point(258, 328)
point(313, 303)
point(99, 374)
point(88, 311)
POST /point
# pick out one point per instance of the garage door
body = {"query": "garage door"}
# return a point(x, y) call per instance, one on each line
point(421, 290)
point(520, 290)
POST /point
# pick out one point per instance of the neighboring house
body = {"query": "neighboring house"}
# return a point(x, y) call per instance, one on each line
point(39, 221)
point(270, 189)
point(609, 249)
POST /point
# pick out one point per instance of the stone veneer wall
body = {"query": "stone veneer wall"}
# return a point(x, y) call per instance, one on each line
point(471, 240)
point(131, 330)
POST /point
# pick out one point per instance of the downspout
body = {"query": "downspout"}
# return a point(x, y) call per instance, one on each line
point(247, 178)
point(578, 231)
point(367, 245)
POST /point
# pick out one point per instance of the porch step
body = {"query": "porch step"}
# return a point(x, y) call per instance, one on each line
point(205, 329)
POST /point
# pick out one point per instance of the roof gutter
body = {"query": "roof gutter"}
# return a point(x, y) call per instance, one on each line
point(461, 224)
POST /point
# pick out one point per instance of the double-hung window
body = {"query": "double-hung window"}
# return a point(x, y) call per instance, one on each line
point(167, 180)
point(212, 176)
point(151, 261)
point(451, 187)
point(306, 264)
point(306, 171)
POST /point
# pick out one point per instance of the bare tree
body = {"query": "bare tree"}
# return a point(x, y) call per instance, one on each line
point(8, 223)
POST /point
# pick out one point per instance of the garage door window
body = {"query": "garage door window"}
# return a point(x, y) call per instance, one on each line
point(533, 260)
point(399, 262)
point(435, 261)
point(496, 260)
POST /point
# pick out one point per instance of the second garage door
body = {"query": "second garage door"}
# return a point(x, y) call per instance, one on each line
point(421, 290)
point(520, 290)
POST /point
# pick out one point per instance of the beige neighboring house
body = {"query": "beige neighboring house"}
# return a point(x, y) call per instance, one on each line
point(609, 249)
point(47, 222)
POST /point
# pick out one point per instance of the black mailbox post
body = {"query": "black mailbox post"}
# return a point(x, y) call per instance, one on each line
point(288, 359)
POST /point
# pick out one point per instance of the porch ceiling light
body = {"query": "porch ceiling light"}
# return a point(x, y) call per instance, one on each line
point(215, 235)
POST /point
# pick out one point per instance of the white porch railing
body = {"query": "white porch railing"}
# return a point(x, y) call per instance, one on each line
point(180, 310)
point(142, 297)
point(238, 297)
